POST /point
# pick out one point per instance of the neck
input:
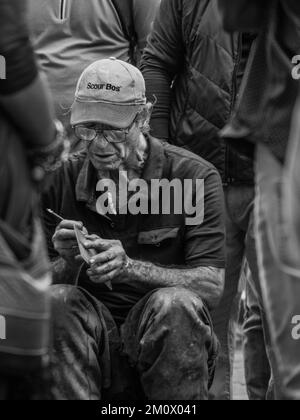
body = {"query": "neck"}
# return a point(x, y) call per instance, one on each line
point(143, 144)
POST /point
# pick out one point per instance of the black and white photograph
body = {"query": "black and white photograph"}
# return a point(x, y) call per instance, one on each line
point(149, 231)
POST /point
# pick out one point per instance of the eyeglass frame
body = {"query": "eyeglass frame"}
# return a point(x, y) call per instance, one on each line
point(123, 131)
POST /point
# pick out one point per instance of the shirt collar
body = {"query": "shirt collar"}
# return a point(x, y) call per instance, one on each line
point(156, 160)
point(86, 183)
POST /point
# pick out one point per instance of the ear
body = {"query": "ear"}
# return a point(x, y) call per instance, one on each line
point(145, 117)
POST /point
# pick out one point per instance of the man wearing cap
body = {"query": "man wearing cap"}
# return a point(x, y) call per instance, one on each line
point(151, 330)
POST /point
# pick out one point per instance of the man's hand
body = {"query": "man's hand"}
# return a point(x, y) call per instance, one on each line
point(111, 261)
point(64, 241)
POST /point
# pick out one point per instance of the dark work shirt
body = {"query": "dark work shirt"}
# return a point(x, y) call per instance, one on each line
point(163, 239)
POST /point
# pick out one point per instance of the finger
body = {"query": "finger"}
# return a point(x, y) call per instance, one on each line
point(111, 276)
point(103, 279)
point(69, 224)
point(104, 257)
point(98, 245)
point(64, 234)
point(92, 237)
point(79, 258)
point(68, 243)
point(106, 268)
point(93, 277)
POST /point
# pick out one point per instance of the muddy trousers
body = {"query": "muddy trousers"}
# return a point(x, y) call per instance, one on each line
point(165, 350)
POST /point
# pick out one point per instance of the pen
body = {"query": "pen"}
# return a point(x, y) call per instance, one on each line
point(55, 214)
point(108, 284)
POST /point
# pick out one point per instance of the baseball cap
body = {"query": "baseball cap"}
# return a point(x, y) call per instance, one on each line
point(110, 92)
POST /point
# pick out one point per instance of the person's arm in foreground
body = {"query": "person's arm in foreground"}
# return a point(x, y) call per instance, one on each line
point(23, 95)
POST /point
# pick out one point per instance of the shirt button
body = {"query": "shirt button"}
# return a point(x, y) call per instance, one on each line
point(113, 225)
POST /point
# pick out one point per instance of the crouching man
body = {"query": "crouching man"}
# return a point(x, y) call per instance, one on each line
point(139, 304)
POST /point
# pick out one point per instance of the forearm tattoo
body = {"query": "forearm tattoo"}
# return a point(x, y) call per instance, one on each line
point(206, 282)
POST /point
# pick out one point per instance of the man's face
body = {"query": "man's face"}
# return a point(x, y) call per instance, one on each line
point(111, 148)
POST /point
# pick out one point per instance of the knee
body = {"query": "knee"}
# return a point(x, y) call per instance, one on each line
point(177, 300)
point(68, 301)
point(73, 311)
point(62, 294)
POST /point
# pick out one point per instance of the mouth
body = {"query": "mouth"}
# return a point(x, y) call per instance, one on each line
point(105, 157)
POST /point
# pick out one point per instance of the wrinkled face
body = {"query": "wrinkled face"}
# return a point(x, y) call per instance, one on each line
point(109, 148)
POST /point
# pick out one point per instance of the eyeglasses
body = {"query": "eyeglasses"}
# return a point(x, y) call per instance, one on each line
point(111, 135)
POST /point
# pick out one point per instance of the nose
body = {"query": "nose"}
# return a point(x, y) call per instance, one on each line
point(101, 141)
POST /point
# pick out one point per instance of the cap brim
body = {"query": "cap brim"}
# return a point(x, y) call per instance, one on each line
point(119, 116)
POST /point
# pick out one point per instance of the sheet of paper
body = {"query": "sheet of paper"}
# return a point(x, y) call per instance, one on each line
point(87, 254)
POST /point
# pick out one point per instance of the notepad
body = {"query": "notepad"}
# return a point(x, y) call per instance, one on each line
point(86, 254)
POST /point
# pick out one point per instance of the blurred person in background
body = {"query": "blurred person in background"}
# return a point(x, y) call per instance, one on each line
point(195, 69)
point(262, 124)
point(68, 35)
point(31, 143)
